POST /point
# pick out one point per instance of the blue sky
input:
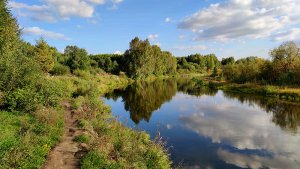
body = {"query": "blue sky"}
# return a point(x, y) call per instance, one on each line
point(237, 28)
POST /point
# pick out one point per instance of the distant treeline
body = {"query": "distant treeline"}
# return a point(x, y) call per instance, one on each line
point(140, 61)
point(282, 69)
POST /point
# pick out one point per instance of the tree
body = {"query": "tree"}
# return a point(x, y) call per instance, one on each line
point(286, 57)
point(226, 61)
point(77, 58)
point(142, 60)
point(9, 31)
point(286, 63)
point(16, 70)
point(44, 55)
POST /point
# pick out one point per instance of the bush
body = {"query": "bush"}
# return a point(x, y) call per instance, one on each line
point(25, 100)
point(269, 90)
point(60, 69)
point(81, 73)
point(51, 92)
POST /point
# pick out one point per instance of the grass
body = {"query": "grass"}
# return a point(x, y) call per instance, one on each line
point(26, 139)
point(82, 138)
point(120, 147)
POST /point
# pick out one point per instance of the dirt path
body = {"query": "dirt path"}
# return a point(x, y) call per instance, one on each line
point(67, 154)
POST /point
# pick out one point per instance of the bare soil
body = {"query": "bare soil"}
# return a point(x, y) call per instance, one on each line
point(67, 154)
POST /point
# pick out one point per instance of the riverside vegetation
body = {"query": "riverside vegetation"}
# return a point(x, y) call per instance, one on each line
point(36, 79)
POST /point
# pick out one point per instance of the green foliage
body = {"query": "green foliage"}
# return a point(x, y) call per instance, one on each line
point(82, 138)
point(143, 60)
point(9, 31)
point(198, 63)
point(284, 69)
point(110, 63)
point(44, 55)
point(77, 58)
point(26, 140)
point(286, 63)
point(215, 72)
point(226, 61)
point(47, 93)
point(17, 72)
point(245, 70)
point(24, 99)
point(60, 69)
point(130, 149)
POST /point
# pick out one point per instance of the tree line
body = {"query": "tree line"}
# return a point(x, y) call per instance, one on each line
point(282, 69)
point(23, 66)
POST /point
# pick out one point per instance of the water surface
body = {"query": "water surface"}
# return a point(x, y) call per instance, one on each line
point(207, 128)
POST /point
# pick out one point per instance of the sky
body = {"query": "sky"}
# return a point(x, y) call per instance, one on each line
point(238, 28)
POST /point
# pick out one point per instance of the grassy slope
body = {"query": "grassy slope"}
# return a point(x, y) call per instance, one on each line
point(25, 140)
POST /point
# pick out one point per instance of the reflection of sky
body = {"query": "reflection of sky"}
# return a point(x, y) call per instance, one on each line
point(217, 132)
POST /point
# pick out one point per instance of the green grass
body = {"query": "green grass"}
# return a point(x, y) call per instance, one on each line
point(122, 147)
point(82, 139)
point(26, 140)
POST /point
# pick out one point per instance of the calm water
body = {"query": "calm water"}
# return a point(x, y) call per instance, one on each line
point(207, 128)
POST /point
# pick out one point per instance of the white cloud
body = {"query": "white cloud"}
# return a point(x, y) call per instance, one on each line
point(118, 52)
point(152, 37)
point(235, 19)
point(68, 8)
point(36, 31)
point(290, 35)
point(37, 12)
point(190, 48)
point(244, 128)
point(255, 161)
point(52, 10)
point(168, 20)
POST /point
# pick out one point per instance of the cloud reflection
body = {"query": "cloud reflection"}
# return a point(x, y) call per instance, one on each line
point(244, 128)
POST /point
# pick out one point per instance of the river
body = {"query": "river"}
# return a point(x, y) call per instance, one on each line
point(206, 128)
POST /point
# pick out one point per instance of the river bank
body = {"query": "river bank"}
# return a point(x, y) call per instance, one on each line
point(27, 139)
point(285, 93)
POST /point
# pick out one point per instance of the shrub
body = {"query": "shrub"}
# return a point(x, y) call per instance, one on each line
point(51, 92)
point(82, 73)
point(25, 100)
point(60, 69)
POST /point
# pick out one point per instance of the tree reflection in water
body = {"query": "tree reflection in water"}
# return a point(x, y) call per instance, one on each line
point(284, 114)
point(141, 99)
